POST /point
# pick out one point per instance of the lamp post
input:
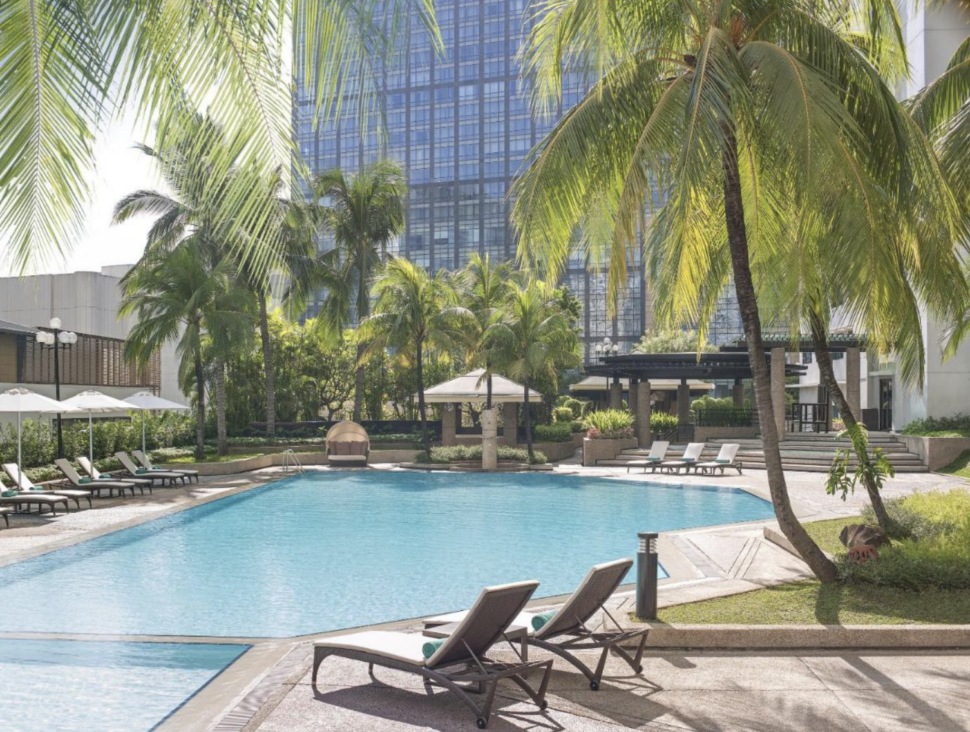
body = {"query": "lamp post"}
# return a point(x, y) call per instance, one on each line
point(604, 349)
point(56, 339)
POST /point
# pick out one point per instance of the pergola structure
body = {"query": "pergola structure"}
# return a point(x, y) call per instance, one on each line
point(641, 368)
point(471, 388)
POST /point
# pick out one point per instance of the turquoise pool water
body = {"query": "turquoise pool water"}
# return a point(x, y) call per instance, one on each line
point(90, 686)
point(333, 550)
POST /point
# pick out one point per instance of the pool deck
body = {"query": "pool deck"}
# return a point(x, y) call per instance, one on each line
point(268, 688)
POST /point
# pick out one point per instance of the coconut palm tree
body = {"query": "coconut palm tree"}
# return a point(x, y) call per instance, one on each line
point(186, 296)
point(534, 339)
point(69, 65)
point(751, 122)
point(414, 313)
point(363, 213)
point(484, 290)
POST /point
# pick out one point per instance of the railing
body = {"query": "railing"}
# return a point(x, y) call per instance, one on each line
point(723, 417)
point(291, 462)
point(808, 417)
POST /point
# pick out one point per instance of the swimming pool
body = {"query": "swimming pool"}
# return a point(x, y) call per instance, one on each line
point(331, 550)
point(82, 686)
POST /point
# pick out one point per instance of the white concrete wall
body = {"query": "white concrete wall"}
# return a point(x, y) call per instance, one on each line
point(86, 302)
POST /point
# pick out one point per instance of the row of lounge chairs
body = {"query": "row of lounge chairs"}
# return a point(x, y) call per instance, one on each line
point(454, 650)
point(690, 460)
point(93, 485)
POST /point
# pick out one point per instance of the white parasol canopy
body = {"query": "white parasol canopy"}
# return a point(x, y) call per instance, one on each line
point(472, 388)
point(95, 402)
point(22, 400)
point(148, 402)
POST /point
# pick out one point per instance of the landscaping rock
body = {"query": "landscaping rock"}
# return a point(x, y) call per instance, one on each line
point(857, 535)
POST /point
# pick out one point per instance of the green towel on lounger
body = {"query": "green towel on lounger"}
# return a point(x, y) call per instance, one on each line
point(689, 460)
point(9, 494)
point(36, 488)
point(654, 459)
point(721, 460)
point(85, 480)
point(158, 468)
point(106, 476)
point(429, 648)
point(140, 471)
point(542, 618)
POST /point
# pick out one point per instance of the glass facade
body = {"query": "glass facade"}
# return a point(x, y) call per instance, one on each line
point(461, 125)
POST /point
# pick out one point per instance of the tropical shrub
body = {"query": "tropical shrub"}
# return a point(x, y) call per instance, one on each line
point(956, 426)
point(578, 407)
point(463, 453)
point(661, 422)
point(936, 550)
point(562, 414)
point(609, 424)
point(558, 432)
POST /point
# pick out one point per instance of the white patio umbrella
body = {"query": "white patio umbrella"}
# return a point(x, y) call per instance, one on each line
point(148, 402)
point(22, 400)
point(94, 402)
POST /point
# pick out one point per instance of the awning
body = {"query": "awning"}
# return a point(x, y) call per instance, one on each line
point(472, 388)
point(602, 383)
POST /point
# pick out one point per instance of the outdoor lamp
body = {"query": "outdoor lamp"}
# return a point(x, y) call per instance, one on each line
point(64, 338)
point(647, 571)
point(55, 323)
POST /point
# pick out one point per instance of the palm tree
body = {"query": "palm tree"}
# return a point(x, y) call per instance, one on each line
point(414, 313)
point(185, 296)
point(70, 65)
point(484, 290)
point(535, 339)
point(752, 121)
point(363, 212)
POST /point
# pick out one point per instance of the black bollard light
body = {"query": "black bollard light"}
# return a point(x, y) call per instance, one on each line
point(647, 566)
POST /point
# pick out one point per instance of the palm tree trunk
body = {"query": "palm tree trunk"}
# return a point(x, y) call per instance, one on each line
point(851, 423)
point(527, 417)
point(820, 564)
point(222, 443)
point(200, 409)
point(359, 385)
point(268, 369)
point(488, 389)
point(425, 440)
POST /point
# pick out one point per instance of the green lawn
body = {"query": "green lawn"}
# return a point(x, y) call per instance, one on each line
point(826, 533)
point(211, 457)
point(808, 603)
point(960, 466)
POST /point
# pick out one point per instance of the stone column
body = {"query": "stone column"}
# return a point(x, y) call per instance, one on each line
point(683, 404)
point(853, 381)
point(489, 439)
point(644, 438)
point(778, 389)
point(616, 395)
point(632, 397)
point(738, 394)
point(510, 418)
point(448, 431)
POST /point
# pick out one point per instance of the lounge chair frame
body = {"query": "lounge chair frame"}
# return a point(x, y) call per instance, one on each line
point(95, 486)
point(651, 461)
point(95, 475)
point(129, 465)
point(481, 676)
point(19, 479)
point(142, 459)
point(5, 511)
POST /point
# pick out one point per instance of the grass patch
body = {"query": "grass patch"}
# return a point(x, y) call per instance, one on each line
point(960, 466)
point(211, 457)
point(810, 603)
point(826, 533)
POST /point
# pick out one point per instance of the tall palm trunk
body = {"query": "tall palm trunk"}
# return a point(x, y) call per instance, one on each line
point(359, 383)
point(527, 418)
point(821, 565)
point(200, 408)
point(852, 425)
point(425, 439)
point(488, 387)
point(222, 443)
point(268, 369)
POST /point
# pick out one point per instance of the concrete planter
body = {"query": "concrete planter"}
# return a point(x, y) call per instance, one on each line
point(554, 451)
point(936, 452)
point(594, 450)
point(244, 465)
point(704, 433)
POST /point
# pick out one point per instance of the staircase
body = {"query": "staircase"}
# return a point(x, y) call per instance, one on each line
point(808, 452)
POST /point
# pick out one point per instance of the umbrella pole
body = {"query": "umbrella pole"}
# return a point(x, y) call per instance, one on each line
point(143, 417)
point(91, 439)
point(20, 461)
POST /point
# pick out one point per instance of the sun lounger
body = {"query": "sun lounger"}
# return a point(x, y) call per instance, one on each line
point(95, 475)
point(725, 459)
point(347, 444)
point(687, 460)
point(96, 486)
point(566, 629)
point(459, 661)
point(143, 460)
point(27, 484)
point(658, 450)
point(170, 475)
point(33, 498)
point(5, 511)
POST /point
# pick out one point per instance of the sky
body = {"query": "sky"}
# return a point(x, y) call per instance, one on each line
point(120, 169)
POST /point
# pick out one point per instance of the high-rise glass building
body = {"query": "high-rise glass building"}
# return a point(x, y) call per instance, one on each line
point(461, 124)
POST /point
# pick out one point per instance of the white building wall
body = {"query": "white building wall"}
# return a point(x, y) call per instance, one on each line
point(86, 302)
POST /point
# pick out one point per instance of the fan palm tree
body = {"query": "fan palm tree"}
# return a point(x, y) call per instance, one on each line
point(484, 290)
point(68, 65)
point(755, 122)
point(363, 212)
point(534, 339)
point(414, 313)
point(185, 296)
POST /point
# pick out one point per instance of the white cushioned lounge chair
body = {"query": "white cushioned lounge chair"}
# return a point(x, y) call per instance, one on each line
point(658, 451)
point(170, 475)
point(726, 458)
point(96, 475)
point(687, 461)
point(144, 461)
point(96, 486)
point(26, 484)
